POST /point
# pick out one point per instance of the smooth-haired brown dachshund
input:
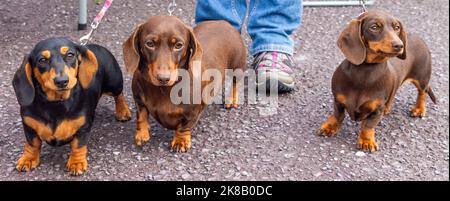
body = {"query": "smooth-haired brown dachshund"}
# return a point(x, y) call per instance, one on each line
point(153, 54)
point(380, 57)
point(58, 87)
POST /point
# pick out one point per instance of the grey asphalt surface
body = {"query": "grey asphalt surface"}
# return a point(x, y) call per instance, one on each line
point(248, 143)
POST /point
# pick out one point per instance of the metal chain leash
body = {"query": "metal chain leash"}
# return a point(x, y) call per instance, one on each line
point(362, 3)
point(171, 7)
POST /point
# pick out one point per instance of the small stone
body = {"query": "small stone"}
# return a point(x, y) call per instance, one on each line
point(186, 176)
point(317, 174)
point(160, 161)
point(290, 155)
point(116, 153)
point(360, 154)
point(149, 177)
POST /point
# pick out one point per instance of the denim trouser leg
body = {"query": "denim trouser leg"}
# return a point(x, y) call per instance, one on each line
point(271, 22)
point(232, 11)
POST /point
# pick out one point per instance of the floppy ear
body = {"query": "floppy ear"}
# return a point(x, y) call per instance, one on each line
point(88, 66)
point(351, 44)
point(23, 83)
point(404, 39)
point(196, 53)
point(130, 48)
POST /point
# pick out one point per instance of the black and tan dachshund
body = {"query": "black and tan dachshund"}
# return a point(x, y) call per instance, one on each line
point(380, 57)
point(58, 87)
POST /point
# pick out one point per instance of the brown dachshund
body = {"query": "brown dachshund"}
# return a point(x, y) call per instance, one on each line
point(156, 50)
point(379, 59)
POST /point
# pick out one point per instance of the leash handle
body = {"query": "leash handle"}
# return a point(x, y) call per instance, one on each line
point(86, 38)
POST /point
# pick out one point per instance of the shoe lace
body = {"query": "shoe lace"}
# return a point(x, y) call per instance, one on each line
point(278, 61)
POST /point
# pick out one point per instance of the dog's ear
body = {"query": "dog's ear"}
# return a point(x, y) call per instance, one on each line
point(88, 66)
point(196, 52)
point(404, 39)
point(23, 83)
point(130, 47)
point(351, 44)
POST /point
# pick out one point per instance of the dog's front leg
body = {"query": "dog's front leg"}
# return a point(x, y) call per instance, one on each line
point(29, 159)
point(331, 126)
point(232, 100)
point(181, 141)
point(77, 162)
point(142, 127)
point(123, 113)
point(366, 139)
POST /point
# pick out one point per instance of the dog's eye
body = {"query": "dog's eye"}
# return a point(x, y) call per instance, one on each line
point(375, 27)
point(178, 46)
point(70, 56)
point(43, 61)
point(396, 27)
point(150, 44)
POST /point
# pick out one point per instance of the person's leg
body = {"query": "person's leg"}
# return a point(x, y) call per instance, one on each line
point(271, 22)
point(232, 11)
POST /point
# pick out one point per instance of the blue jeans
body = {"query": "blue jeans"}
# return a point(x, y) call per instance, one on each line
point(270, 23)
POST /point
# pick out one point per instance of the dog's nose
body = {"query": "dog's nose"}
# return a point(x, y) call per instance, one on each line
point(61, 81)
point(397, 46)
point(163, 78)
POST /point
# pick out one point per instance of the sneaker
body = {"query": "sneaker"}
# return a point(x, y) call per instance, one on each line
point(272, 68)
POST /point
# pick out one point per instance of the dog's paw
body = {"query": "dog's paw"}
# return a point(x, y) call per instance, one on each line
point(328, 129)
point(366, 140)
point(181, 143)
point(142, 137)
point(367, 145)
point(387, 111)
point(231, 103)
point(231, 106)
point(27, 162)
point(123, 114)
point(77, 164)
point(418, 112)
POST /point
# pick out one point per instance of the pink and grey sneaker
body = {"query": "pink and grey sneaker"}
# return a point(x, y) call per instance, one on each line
point(274, 68)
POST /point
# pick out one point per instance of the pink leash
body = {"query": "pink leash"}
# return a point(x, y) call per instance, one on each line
point(86, 38)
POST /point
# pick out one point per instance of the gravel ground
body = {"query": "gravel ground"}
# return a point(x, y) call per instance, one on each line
point(249, 143)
